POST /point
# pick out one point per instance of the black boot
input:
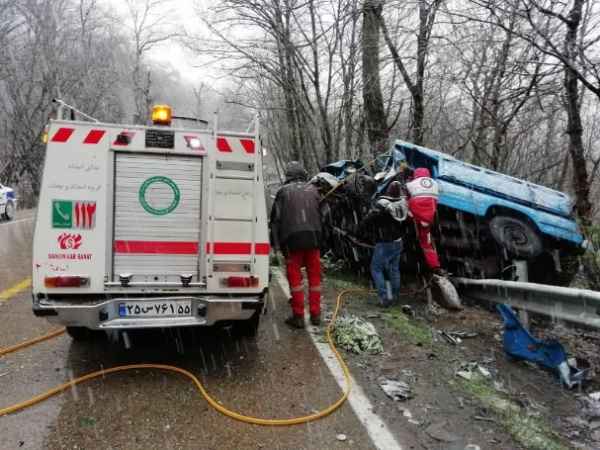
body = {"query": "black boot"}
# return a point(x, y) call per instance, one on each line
point(315, 320)
point(295, 321)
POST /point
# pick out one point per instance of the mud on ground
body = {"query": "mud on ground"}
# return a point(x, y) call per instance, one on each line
point(518, 406)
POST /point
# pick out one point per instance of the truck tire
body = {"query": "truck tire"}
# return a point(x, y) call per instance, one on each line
point(543, 269)
point(518, 237)
point(569, 263)
point(247, 328)
point(81, 334)
point(9, 211)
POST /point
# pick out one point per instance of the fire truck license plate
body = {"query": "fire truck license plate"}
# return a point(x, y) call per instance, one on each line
point(157, 308)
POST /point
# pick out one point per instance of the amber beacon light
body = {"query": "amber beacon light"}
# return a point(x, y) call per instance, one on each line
point(162, 115)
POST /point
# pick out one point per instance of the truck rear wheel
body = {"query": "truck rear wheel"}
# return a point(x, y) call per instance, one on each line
point(247, 328)
point(569, 264)
point(517, 236)
point(81, 334)
point(543, 269)
point(9, 211)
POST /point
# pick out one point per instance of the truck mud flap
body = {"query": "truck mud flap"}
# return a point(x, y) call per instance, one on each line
point(44, 312)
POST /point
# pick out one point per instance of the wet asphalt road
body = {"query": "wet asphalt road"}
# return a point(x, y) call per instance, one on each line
point(278, 375)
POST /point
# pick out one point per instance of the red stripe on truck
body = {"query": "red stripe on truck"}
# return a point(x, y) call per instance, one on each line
point(124, 138)
point(238, 248)
point(223, 145)
point(232, 248)
point(189, 248)
point(94, 136)
point(156, 247)
point(262, 249)
point(63, 134)
point(248, 145)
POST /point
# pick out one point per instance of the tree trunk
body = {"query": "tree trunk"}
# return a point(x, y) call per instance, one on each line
point(284, 47)
point(581, 182)
point(427, 14)
point(348, 70)
point(374, 112)
point(326, 134)
point(418, 90)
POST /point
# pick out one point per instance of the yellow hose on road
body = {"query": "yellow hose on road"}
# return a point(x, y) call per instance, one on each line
point(29, 343)
point(211, 401)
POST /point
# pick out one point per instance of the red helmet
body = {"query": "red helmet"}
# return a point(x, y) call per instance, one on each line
point(422, 172)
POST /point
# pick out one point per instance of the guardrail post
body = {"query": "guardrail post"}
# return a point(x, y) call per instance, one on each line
point(428, 293)
point(522, 276)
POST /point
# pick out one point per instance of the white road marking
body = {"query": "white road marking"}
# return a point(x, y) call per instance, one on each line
point(378, 431)
point(12, 222)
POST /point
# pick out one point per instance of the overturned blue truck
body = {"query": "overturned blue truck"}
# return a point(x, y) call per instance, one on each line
point(485, 221)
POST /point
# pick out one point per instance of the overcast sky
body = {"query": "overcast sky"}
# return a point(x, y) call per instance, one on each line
point(173, 52)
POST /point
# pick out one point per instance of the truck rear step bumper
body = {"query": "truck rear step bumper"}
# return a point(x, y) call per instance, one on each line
point(205, 311)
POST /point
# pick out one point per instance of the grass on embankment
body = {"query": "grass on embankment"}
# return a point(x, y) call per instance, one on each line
point(532, 432)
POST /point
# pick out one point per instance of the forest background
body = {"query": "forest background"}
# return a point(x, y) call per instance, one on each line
point(512, 85)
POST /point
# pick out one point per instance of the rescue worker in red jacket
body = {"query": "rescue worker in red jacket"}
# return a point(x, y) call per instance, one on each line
point(296, 230)
point(423, 194)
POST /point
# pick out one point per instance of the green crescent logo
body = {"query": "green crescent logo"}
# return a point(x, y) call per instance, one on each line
point(159, 211)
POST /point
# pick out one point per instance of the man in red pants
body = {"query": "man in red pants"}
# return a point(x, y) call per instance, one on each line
point(296, 231)
point(422, 203)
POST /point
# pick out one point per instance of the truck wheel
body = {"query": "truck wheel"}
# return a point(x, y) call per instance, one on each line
point(80, 334)
point(569, 263)
point(543, 269)
point(9, 211)
point(515, 235)
point(247, 328)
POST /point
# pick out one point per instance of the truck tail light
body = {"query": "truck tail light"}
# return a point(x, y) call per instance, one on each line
point(241, 282)
point(66, 281)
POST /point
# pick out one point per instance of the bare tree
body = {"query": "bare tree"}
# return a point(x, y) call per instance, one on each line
point(300, 55)
point(500, 74)
point(52, 51)
point(557, 30)
point(349, 53)
point(149, 26)
point(581, 181)
point(416, 84)
point(374, 113)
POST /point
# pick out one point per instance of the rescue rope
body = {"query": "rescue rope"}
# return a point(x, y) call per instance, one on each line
point(211, 401)
point(351, 238)
point(427, 282)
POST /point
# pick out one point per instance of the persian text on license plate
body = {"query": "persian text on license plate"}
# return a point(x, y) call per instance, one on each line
point(156, 308)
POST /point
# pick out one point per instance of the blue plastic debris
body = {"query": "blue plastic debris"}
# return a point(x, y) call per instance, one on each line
point(520, 344)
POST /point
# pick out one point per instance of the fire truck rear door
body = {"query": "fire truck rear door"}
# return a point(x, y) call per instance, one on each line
point(157, 212)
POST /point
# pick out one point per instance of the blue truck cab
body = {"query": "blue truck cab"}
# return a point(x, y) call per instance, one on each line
point(482, 213)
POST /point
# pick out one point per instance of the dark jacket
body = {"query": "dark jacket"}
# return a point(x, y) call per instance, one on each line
point(379, 226)
point(295, 217)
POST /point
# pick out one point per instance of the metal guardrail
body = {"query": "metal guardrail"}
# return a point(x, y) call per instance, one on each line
point(579, 306)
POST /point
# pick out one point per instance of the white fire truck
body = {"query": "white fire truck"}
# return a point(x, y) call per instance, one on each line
point(150, 227)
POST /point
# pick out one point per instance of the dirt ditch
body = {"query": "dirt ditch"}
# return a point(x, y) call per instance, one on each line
point(467, 394)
